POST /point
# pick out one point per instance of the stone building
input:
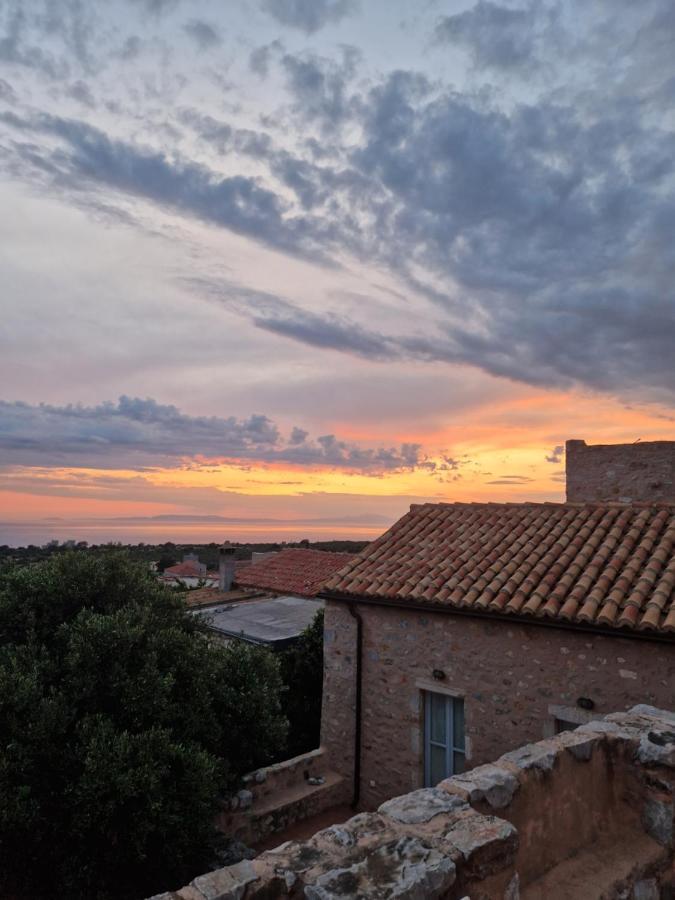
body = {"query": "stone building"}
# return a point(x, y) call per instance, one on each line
point(642, 471)
point(469, 629)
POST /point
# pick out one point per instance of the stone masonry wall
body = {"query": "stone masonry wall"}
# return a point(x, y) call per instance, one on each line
point(338, 705)
point(515, 679)
point(642, 472)
point(276, 797)
point(585, 814)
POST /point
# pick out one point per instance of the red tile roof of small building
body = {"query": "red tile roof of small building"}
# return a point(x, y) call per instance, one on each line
point(191, 569)
point(294, 571)
point(608, 565)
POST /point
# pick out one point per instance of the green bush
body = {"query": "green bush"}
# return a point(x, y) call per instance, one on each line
point(302, 675)
point(121, 726)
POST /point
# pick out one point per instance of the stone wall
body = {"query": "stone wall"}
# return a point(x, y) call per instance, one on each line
point(586, 814)
point(515, 679)
point(642, 472)
point(276, 797)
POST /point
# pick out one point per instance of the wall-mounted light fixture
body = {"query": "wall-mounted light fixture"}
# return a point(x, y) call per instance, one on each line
point(438, 674)
point(585, 703)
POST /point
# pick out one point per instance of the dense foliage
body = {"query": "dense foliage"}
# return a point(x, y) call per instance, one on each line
point(121, 724)
point(302, 674)
point(168, 553)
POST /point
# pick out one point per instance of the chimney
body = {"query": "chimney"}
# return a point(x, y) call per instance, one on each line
point(226, 567)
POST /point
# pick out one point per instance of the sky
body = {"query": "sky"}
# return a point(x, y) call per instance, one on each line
point(278, 269)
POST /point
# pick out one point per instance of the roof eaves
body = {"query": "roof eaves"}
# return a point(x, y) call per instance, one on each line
point(661, 636)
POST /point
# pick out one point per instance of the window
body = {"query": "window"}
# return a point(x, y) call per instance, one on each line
point(443, 737)
point(561, 725)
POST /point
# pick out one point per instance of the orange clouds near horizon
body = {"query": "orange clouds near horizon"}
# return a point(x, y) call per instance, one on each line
point(504, 451)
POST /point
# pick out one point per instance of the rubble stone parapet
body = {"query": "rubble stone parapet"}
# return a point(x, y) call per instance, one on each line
point(595, 803)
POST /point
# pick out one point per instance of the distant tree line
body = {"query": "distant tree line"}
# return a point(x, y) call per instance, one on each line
point(168, 553)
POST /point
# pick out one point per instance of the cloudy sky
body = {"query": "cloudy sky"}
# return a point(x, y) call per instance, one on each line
point(282, 267)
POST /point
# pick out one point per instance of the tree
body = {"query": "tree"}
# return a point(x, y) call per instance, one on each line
point(121, 726)
point(165, 561)
point(302, 675)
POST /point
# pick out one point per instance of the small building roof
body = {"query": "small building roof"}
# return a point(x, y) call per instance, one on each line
point(607, 565)
point(274, 621)
point(294, 571)
point(212, 596)
point(188, 569)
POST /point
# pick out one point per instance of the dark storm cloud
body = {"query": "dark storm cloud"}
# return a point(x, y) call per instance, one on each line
point(205, 36)
point(139, 434)
point(308, 15)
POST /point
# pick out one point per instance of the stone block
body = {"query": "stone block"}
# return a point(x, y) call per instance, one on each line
point(420, 806)
point(487, 844)
point(539, 756)
point(226, 884)
point(657, 819)
point(647, 889)
point(245, 798)
point(490, 783)
point(189, 893)
point(643, 709)
point(405, 869)
point(579, 743)
point(512, 891)
point(657, 747)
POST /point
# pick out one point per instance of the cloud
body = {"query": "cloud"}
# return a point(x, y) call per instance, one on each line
point(308, 15)
point(157, 7)
point(556, 454)
point(529, 232)
point(497, 36)
point(511, 479)
point(87, 156)
point(82, 93)
point(205, 35)
point(138, 434)
point(320, 86)
point(260, 58)
point(7, 92)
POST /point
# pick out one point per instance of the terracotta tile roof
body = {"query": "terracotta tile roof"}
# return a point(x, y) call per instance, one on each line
point(606, 565)
point(294, 571)
point(210, 596)
point(190, 569)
